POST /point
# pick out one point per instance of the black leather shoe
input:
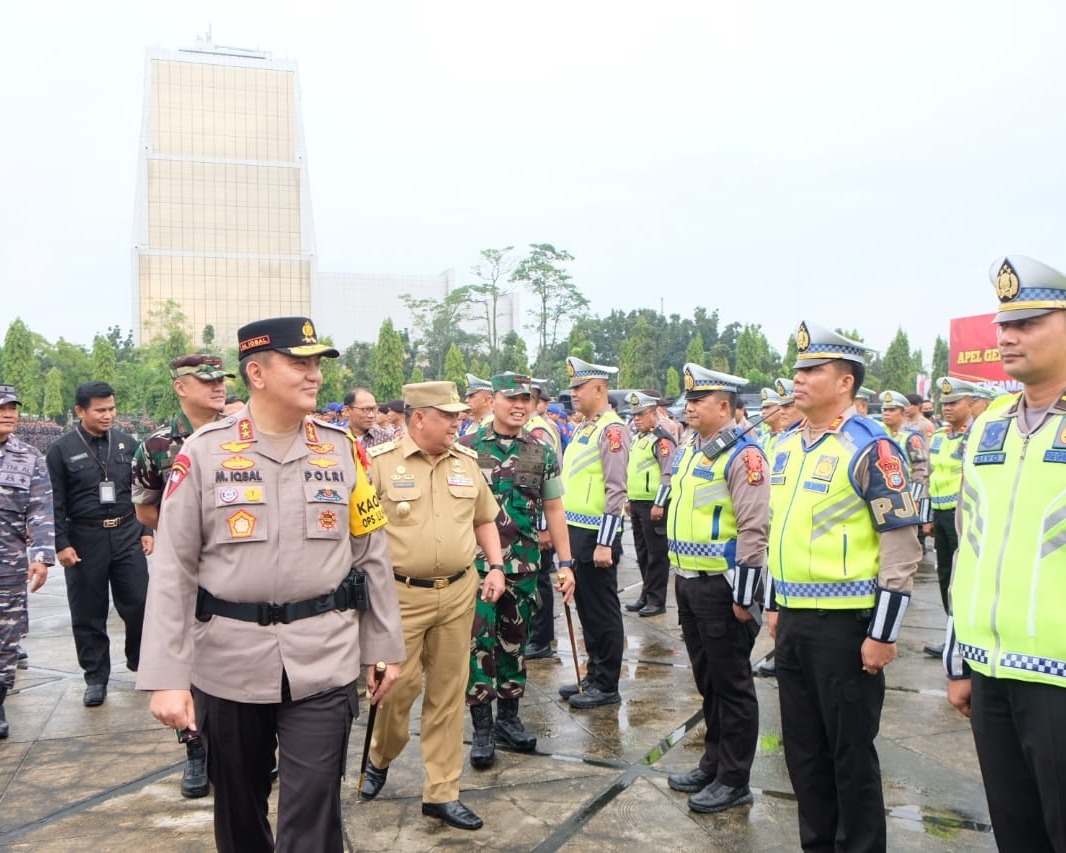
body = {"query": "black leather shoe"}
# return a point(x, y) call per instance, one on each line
point(536, 652)
point(934, 650)
point(652, 611)
point(22, 657)
point(568, 690)
point(718, 798)
point(94, 695)
point(374, 781)
point(194, 783)
point(636, 605)
point(453, 813)
point(5, 729)
point(765, 669)
point(689, 783)
point(593, 697)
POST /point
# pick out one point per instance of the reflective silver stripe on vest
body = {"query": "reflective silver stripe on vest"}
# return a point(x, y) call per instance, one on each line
point(581, 518)
point(826, 589)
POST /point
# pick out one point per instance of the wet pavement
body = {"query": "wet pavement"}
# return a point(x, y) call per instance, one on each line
point(107, 778)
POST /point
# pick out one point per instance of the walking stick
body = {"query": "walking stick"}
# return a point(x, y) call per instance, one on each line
point(379, 668)
point(573, 645)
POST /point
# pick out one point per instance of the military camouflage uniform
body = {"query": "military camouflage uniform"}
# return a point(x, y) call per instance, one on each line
point(27, 534)
point(522, 472)
point(154, 456)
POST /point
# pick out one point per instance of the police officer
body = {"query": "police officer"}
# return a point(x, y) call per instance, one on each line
point(718, 526)
point(862, 400)
point(254, 600)
point(479, 400)
point(778, 411)
point(440, 510)
point(946, 452)
point(842, 557)
point(27, 537)
point(524, 475)
point(915, 448)
point(594, 476)
point(98, 537)
point(1008, 666)
point(651, 455)
point(199, 382)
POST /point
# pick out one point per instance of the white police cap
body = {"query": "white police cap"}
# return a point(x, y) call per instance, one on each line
point(952, 390)
point(770, 397)
point(865, 393)
point(699, 381)
point(816, 345)
point(1026, 288)
point(474, 384)
point(581, 371)
point(894, 400)
point(784, 388)
point(640, 402)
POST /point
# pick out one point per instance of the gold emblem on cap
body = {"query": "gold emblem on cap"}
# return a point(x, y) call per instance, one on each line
point(570, 368)
point(633, 399)
point(764, 394)
point(1007, 284)
point(803, 338)
point(454, 398)
point(689, 383)
point(308, 332)
point(945, 386)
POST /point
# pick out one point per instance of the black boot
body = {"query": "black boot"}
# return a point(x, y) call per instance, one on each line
point(194, 783)
point(4, 728)
point(509, 728)
point(483, 744)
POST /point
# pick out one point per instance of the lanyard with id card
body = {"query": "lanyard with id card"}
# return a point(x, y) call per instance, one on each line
point(106, 487)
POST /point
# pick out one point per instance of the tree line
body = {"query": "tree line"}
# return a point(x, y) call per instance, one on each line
point(449, 337)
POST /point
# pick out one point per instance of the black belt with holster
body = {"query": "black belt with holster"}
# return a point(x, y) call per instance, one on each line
point(352, 594)
point(108, 523)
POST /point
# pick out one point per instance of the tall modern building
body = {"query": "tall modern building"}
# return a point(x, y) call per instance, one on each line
point(222, 223)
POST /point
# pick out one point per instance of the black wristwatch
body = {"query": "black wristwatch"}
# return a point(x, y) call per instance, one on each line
point(496, 566)
point(566, 564)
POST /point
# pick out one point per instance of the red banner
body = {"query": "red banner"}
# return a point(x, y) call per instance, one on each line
point(974, 352)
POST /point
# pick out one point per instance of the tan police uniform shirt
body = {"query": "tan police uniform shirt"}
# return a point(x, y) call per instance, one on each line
point(432, 506)
point(249, 526)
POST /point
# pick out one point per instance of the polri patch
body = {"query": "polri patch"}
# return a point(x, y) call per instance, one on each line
point(179, 470)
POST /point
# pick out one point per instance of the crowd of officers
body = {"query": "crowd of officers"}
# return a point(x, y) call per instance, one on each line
point(288, 552)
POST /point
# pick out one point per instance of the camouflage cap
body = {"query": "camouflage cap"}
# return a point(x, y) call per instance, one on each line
point(205, 367)
point(512, 384)
point(9, 394)
point(433, 395)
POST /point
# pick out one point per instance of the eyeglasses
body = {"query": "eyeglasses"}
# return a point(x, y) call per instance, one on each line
point(366, 410)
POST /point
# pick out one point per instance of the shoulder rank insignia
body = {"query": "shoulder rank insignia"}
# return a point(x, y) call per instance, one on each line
point(466, 451)
point(378, 449)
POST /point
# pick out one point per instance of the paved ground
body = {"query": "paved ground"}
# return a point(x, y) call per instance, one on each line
point(73, 778)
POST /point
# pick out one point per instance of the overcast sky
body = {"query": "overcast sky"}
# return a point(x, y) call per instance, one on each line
point(854, 164)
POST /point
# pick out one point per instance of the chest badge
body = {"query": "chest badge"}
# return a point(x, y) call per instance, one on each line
point(236, 446)
point(238, 463)
point(825, 467)
point(321, 462)
point(241, 524)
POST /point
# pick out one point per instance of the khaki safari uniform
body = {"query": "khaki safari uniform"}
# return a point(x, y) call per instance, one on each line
point(432, 507)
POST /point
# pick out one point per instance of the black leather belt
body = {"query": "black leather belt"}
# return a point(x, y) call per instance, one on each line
point(108, 523)
point(429, 583)
point(344, 597)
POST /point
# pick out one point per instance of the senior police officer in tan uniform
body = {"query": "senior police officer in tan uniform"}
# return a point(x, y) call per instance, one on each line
point(440, 511)
point(256, 598)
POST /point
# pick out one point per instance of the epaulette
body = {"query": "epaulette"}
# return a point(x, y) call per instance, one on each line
point(663, 432)
point(378, 449)
point(227, 421)
point(466, 451)
point(331, 426)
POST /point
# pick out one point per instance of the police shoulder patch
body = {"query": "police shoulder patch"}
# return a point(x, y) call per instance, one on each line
point(613, 434)
point(379, 449)
point(753, 461)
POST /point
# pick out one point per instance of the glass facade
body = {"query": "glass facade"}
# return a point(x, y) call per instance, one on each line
point(223, 225)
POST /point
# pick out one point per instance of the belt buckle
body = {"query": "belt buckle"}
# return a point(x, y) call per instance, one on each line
point(112, 522)
point(440, 583)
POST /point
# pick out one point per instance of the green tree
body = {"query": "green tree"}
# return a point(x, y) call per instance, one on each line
point(104, 360)
point(388, 363)
point(495, 265)
point(718, 357)
point(513, 355)
point(694, 352)
point(941, 356)
point(54, 405)
point(673, 383)
point(754, 359)
point(207, 337)
point(417, 375)
point(334, 379)
point(636, 367)
point(899, 367)
point(559, 301)
point(358, 360)
point(148, 379)
point(21, 367)
point(790, 357)
point(439, 325)
point(455, 367)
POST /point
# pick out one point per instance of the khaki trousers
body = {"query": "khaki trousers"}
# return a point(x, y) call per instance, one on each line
point(436, 631)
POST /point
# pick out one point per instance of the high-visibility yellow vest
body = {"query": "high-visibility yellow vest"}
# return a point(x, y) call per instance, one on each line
point(1010, 575)
point(945, 467)
point(824, 550)
point(643, 472)
point(585, 498)
point(701, 527)
point(537, 422)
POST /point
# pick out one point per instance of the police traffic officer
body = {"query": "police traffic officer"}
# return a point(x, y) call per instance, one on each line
point(594, 478)
point(523, 473)
point(1007, 663)
point(440, 511)
point(270, 539)
point(946, 452)
point(718, 526)
point(199, 382)
point(479, 401)
point(842, 556)
point(27, 537)
point(99, 540)
point(915, 448)
point(651, 455)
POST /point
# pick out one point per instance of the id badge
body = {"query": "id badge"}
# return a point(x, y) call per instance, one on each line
point(107, 492)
